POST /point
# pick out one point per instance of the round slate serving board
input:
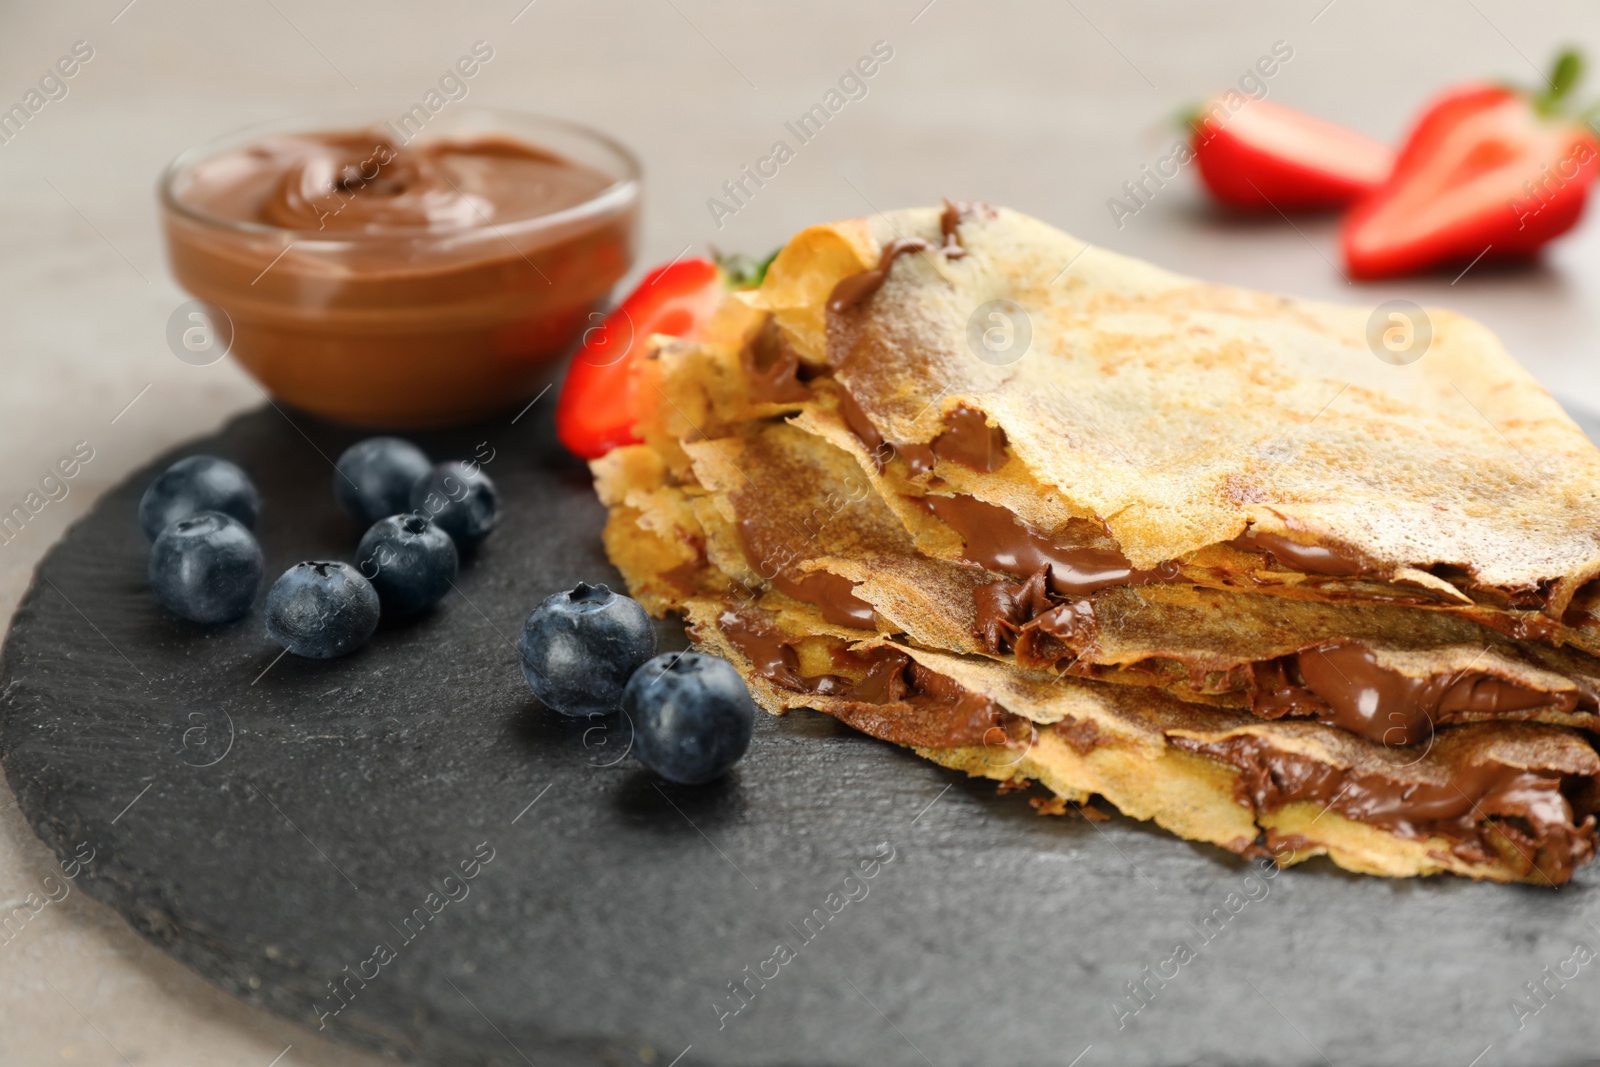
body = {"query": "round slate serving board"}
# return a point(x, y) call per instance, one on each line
point(290, 829)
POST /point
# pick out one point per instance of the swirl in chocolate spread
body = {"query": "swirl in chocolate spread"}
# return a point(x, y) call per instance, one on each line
point(360, 181)
point(1028, 621)
point(1480, 807)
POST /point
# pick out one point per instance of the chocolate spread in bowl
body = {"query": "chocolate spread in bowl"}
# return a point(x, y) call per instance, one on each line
point(381, 283)
point(361, 181)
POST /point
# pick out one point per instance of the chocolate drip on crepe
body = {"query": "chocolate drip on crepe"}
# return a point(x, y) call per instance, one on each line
point(967, 439)
point(950, 219)
point(856, 288)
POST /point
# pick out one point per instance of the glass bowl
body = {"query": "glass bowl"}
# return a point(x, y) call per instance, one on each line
point(407, 326)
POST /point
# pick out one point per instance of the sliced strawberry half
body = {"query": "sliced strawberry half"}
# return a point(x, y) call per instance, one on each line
point(597, 410)
point(1488, 172)
point(1265, 156)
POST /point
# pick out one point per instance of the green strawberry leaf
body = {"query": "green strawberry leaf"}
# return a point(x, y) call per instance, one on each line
point(1565, 74)
point(741, 271)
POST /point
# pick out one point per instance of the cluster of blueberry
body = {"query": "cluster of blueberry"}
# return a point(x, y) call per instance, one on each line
point(590, 651)
point(587, 651)
point(205, 563)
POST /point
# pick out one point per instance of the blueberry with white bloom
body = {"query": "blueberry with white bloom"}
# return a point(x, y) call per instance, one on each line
point(409, 561)
point(692, 716)
point(579, 648)
point(206, 568)
point(373, 478)
point(321, 609)
point(196, 484)
point(460, 499)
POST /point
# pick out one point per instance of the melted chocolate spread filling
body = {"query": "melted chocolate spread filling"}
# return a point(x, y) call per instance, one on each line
point(1341, 684)
point(1311, 559)
point(968, 439)
point(999, 541)
point(773, 368)
point(1336, 561)
point(897, 699)
point(834, 594)
point(1482, 810)
point(1344, 685)
point(1482, 807)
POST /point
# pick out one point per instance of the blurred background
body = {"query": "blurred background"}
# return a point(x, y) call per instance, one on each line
point(1044, 107)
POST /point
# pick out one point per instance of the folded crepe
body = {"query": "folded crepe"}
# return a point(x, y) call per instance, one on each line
point(979, 564)
point(782, 509)
point(1498, 801)
point(1158, 429)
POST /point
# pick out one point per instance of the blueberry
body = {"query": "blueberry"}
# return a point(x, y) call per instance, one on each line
point(460, 499)
point(373, 478)
point(692, 716)
point(409, 561)
point(321, 609)
point(193, 485)
point(579, 648)
point(206, 568)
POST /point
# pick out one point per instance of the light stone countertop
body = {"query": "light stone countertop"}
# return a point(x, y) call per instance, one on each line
point(1044, 107)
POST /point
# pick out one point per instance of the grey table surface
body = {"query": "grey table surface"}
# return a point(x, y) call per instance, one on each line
point(1047, 108)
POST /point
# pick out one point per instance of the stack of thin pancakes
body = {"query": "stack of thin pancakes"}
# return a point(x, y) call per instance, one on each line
point(1189, 549)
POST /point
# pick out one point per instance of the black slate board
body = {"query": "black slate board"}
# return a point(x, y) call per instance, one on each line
point(271, 829)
